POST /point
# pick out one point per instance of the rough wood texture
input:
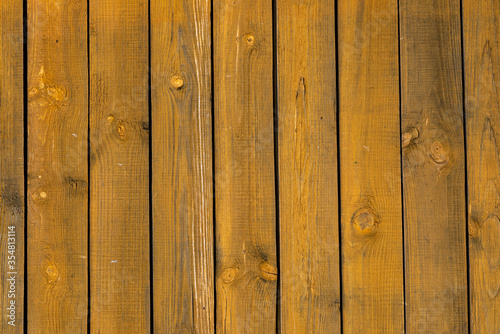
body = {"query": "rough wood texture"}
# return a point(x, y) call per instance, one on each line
point(57, 166)
point(307, 104)
point(372, 261)
point(482, 84)
point(11, 166)
point(182, 167)
point(246, 272)
point(119, 161)
point(433, 167)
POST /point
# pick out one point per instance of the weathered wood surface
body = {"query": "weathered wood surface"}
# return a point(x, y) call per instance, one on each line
point(433, 167)
point(119, 167)
point(246, 259)
point(307, 155)
point(57, 167)
point(11, 167)
point(481, 22)
point(250, 166)
point(370, 167)
point(183, 269)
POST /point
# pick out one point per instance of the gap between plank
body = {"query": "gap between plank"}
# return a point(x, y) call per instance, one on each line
point(464, 121)
point(214, 238)
point(25, 153)
point(401, 175)
point(339, 202)
point(150, 120)
point(276, 161)
point(89, 296)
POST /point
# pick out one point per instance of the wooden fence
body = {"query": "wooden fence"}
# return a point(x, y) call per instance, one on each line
point(250, 166)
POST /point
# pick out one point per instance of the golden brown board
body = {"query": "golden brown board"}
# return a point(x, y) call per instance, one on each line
point(57, 167)
point(12, 162)
point(183, 269)
point(370, 167)
point(119, 167)
point(482, 65)
point(307, 155)
point(246, 260)
point(250, 166)
point(433, 167)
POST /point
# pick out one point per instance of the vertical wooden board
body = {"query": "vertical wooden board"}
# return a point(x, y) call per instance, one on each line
point(246, 264)
point(370, 167)
point(433, 167)
point(482, 95)
point(57, 166)
point(182, 167)
point(119, 167)
point(11, 168)
point(307, 103)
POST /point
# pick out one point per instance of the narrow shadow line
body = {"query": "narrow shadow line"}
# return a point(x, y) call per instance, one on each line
point(276, 160)
point(337, 119)
point(25, 154)
point(464, 123)
point(89, 295)
point(212, 93)
point(151, 222)
point(401, 173)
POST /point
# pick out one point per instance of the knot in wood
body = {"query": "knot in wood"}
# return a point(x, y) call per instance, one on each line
point(438, 153)
point(121, 130)
point(473, 228)
point(409, 136)
point(364, 221)
point(229, 275)
point(177, 82)
point(268, 271)
point(56, 93)
point(52, 273)
point(250, 39)
point(46, 93)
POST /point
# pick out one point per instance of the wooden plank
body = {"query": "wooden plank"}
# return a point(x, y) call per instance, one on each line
point(371, 210)
point(433, 167)
point(307, 109)
point(11, 167)
point(246, 263)
point(482, 95)
point(182, 167)
point(57, 166)
point(119, 167)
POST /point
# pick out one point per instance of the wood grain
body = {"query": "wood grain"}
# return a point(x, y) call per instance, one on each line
point(433, 167)
point(119, 167)
point(11, 167)
point(307, 109)
point(57, 166)
point(182, 167)
point(482, 66)
point(370, 167)
point(246, 263)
